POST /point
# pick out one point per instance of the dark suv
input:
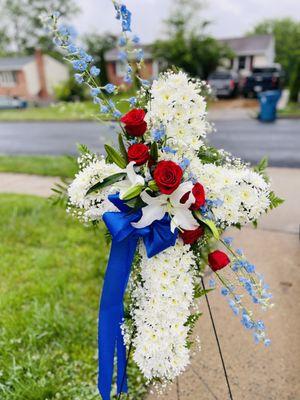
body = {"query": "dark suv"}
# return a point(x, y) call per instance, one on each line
point(261, 80)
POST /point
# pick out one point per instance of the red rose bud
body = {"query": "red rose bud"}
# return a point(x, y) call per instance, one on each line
point(139, 153)
point(218, 260)
point(134, 122)
point(190, 237)
point(199, 194)
point(167, 176)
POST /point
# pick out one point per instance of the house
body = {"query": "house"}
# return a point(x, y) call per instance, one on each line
point(251, 51)
point(31, 77)
point(116, 69)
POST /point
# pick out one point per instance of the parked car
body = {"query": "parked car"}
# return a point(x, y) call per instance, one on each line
point(7, 103)
point(224, 83)
point(262, 79)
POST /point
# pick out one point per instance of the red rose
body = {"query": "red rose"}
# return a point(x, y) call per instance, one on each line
point(134, 122)
point(167, 176)
point(218, 260)
point(190, 237)
point(199, 194)
point(139, 153)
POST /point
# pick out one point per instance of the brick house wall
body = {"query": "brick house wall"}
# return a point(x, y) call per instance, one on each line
point(18, 89)
point(148, 72)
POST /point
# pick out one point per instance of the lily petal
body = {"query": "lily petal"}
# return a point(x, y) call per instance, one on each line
point(184, 219)
point(151, 213)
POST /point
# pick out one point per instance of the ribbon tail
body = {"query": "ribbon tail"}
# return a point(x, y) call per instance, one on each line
point(111, 315)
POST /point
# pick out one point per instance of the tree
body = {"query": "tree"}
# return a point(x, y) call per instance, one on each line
point(97, 45)
point(187, 46)
point(287, 37)
point(22, 23)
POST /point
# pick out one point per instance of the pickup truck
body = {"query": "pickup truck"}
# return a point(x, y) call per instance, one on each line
point(261, 80)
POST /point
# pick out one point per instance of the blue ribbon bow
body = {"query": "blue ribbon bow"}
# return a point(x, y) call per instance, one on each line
point(157, 237)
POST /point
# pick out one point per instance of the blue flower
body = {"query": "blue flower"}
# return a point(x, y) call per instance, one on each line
point(104, 109)
point(145, 83)
point(79, 65)
point(140, 55)
point(72, 48)
point(109, 88)
point(212, 283)
point(224, 291)
point(127, 79)
point(267, 342)
point(84, 56)
point(158, 133)
point(132, 101)
point(239, 252)
point(260, 325)
point(117, 113)
point(63, 30)
point(256, 337)
point(122, 41)
point(249, 267)
point(95, 91)
point(136, 39)
point(247, 321)
point(126, 18)
point(168, 149)
point(78, 78)
point(185, 163)
point(96, 100)
point(57, 41)
point(56, 14)
point(122, 55)
point(228, 241)
point(95, 71)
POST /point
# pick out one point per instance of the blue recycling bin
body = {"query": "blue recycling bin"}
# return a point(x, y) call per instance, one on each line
point(268, 101)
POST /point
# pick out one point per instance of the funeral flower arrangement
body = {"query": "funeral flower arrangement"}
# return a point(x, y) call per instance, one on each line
point(166, 198)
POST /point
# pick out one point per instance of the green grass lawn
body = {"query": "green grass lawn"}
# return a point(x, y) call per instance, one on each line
point(80, 111)
point(63, 166)
point(291, 110)
point(51, 274)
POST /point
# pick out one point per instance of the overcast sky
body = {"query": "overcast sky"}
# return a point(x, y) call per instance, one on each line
point(229, 17)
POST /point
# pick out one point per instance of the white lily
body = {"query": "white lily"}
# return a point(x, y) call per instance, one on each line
point(131, 181)
point(181, 216)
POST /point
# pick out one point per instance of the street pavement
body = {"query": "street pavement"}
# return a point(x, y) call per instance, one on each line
point(245, 137)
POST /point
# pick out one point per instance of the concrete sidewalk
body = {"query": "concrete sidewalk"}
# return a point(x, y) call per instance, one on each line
point(255, 373)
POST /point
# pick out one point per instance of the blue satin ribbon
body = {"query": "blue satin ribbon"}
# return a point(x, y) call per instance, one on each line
point(157, 237)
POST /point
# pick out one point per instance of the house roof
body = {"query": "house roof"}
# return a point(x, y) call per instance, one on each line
point(255, 44)
point(113, 55)
point(14, 63)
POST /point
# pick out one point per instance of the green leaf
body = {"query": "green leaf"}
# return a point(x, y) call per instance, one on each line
point(255, 223)
point(275, 201)
point(122, 147)
point(262, 165)
point(115, 157)
point(153, 186)
point(107, 182)
point(83, 149)
point(208, 223)
point(154, 151)
point(199, 291)
point(133, 192)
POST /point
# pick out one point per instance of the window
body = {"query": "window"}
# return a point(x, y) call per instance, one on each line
point(121, 69)
point(8, 79)
point(242, 62)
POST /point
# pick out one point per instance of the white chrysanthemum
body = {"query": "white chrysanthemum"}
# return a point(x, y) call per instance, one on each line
point(176, 104)
point(242, 193)
point(161, 308)
point(91, 207)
